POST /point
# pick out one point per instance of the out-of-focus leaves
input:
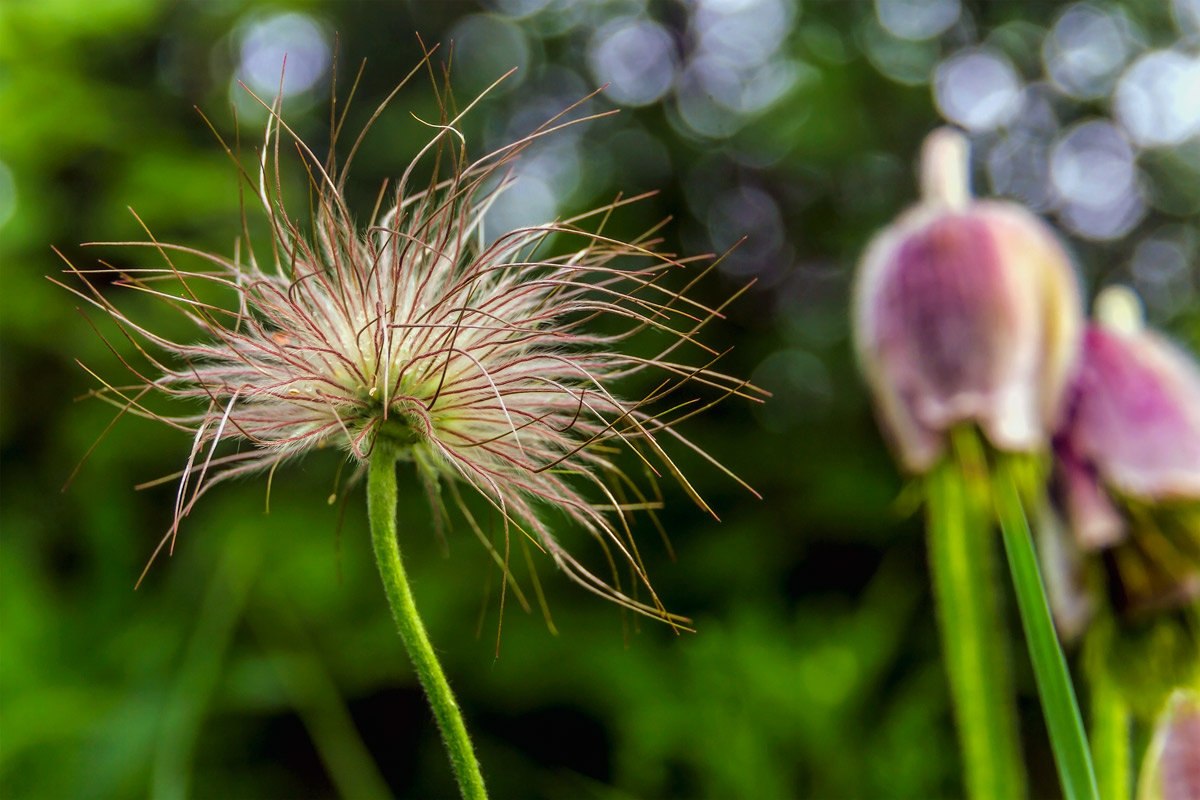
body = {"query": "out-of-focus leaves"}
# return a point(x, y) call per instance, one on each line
point(258, 659)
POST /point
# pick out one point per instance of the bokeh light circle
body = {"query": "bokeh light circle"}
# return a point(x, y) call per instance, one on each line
point(265, 43)
point(978, 89)
point(917, 19)
point(1084, 51)
point(636, 58)
point(1158, 98)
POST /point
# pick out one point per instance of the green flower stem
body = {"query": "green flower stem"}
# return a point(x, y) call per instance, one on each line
point(1110, 733)
point(381, 507)
point(1063, 721)
point(962, 561)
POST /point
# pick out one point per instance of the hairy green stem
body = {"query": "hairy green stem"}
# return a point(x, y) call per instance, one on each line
point(1063, 721)
point(962, 560)
point(381, 506)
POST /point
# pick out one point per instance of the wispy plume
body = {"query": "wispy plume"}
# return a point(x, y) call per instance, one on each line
point(481, 361)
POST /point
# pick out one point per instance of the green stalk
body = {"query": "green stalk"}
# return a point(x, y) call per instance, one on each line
point(1063, 721)
point(1110, 731)
point(962, 561)
point(381, 507)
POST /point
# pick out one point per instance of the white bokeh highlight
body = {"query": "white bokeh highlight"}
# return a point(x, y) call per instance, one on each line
point(1094, 175)
point(1085, 50)
point(636, 58)
point(1157, 100)
point(264, 44)
point(978, 89)
point(917, 19)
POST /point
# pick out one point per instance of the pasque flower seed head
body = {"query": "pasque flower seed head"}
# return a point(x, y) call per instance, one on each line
point(480, 360)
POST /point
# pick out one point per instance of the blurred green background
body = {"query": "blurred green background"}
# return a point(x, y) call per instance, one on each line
point(259, 660)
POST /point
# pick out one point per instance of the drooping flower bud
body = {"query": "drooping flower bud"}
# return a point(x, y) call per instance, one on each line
point(1128, 458)
point(1172, 767)
point(1135, 415)
point(965, 312)
point(1127, 488)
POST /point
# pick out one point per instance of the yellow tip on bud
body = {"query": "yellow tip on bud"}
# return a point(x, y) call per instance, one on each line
point(946, 169)
point(1119, 310)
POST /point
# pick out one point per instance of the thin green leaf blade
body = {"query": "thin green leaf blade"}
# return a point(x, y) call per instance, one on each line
point(1061, 710)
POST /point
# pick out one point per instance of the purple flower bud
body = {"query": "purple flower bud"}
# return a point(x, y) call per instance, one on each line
point(965, 312)
point(1172, 767)
point(1134, 421)
point(1127, 477)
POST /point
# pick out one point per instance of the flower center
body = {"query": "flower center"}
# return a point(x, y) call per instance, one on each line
point(397, 430)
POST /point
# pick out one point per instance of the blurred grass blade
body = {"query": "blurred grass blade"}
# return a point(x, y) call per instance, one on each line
point(200, 671)
point(1063, 721)
point(962, 561)
point(318, 701)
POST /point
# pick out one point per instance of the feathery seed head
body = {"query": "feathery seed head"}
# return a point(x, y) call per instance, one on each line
point(475, 359)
